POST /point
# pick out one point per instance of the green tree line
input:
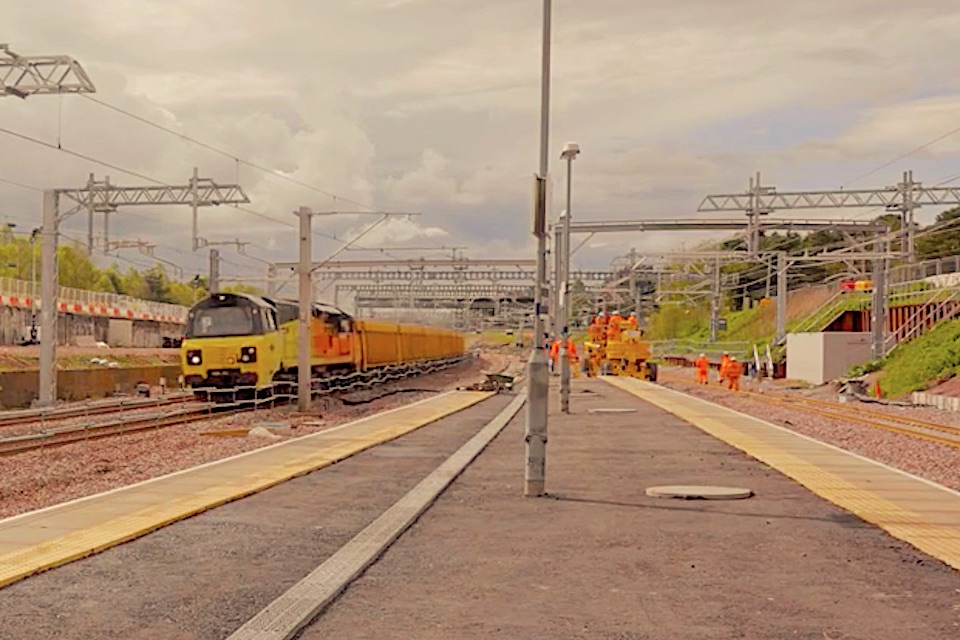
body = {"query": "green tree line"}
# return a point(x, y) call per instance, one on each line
point(20, 259)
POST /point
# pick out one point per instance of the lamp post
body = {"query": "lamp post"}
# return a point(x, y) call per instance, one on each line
point(570, 152)
point(535, 434)
point(33, 284)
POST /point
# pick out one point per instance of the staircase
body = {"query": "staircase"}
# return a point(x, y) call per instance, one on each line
point(944, 306)
point(829, 311)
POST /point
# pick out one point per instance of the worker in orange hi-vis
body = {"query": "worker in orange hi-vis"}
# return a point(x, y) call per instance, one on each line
point(724, 363)
point(703, 367)
point(573, 357)
point(614, 326)
point(733, 374)
point(555, 354)
point(631, 323)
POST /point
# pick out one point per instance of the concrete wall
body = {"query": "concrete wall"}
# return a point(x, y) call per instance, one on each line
point(820, 357)
point(120, 333)
point(19, 388)
point(15, 326)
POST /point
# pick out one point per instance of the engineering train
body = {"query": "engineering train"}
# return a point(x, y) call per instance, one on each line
point(239, 340)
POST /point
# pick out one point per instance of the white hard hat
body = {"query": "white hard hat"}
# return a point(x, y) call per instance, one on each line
point(703, 355)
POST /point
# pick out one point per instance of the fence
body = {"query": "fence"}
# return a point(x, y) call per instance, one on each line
point(25, 295)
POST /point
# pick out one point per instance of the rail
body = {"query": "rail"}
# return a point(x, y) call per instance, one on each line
point(231, 401)
point(663, 348)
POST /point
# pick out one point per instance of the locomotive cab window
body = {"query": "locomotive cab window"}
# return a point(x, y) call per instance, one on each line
point(225, 315)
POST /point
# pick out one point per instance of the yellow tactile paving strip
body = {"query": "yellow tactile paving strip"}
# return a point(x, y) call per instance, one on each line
point(921, 513)
point(48, 538)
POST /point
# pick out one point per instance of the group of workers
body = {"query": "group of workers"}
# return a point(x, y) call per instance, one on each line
point(730, 371)
point(602, 328)
point(610, 327)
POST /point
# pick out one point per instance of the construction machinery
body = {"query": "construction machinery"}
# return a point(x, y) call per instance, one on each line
point(616, 351)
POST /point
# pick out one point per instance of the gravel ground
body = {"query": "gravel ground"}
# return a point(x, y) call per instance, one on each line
point(25, 428)
point(37, 479)
point(929, 460)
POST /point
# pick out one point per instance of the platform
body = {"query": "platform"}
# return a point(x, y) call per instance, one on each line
point(925, 514)
point(595, 559)
point(40, 540)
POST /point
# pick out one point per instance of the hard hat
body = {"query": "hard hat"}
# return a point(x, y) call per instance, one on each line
point(726, 353)
point(733, 359)
point(703, 355)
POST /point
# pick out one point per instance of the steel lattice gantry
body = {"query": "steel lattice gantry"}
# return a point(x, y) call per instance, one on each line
point(103, 196)
point(486, 275)
point(904, 197)
point(23, 76)
point(416, 263)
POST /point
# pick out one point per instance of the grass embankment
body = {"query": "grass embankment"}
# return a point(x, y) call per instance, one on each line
point(755, 326)
point(11, 362)
point(924, 362)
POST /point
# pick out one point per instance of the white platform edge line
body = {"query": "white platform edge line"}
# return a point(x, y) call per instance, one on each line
point(810, 439)
point(275, 615)
point(213, 463)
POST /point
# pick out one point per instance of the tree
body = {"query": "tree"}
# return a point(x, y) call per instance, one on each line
point(940, 243)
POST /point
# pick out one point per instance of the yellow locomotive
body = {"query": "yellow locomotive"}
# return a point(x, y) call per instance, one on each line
point(239, 340)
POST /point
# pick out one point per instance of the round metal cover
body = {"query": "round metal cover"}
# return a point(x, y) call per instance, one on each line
point(612, 410)
point(693, 492)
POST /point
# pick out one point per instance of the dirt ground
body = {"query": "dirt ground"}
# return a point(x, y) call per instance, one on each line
point(600, 560)
point(201, 578)
point(597, 559)
point(36, 479)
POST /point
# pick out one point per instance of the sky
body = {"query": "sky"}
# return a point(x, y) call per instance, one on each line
point(432, 107)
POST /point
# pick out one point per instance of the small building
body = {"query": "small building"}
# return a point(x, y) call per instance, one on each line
point(820, 357)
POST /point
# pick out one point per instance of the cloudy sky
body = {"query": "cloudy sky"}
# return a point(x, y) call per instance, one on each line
point(432, 106)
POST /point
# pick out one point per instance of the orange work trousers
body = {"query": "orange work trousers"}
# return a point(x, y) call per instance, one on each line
point(734, 383)
point(701, 376)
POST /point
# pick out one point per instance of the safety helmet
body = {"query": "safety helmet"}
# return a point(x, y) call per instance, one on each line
point(703, 355)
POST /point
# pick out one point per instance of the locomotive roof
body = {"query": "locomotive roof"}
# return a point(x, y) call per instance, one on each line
point(221, 298)
point(319, 306)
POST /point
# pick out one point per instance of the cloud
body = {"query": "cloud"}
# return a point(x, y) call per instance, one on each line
point(433, 106)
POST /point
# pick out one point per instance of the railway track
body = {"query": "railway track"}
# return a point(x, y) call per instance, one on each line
point(203, 410)
point(914, 427)
point(19, 417)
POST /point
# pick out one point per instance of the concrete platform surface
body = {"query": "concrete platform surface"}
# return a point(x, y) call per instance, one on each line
point(599, 559)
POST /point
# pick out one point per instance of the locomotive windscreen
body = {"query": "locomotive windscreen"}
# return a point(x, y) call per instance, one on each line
point(223, 316)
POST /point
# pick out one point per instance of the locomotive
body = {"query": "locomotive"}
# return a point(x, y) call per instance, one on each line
point(239, 340)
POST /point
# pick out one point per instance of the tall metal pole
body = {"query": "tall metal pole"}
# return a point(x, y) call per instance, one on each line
point(556, 323)
point(304, 391)
point(106, 230)
point(272, 280)
point(214, 284)
point(90, 207)
point(537, 381)
point(781, 295)
point(879, 314)
point(194, 203)
point(565, 305)
point(715, 302)
point(48, 302)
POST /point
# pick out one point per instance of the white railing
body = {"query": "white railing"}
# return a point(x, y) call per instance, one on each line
point(24, 293)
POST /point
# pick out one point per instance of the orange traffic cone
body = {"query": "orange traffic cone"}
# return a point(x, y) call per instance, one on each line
point(877, 393)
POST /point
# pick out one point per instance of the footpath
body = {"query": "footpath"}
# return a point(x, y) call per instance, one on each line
point(600, 559)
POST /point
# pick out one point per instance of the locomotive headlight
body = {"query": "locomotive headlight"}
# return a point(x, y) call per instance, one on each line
point(194, 357)
point(248, 354)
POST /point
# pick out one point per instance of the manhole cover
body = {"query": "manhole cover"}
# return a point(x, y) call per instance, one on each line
point(612, 410)
point(692, 492)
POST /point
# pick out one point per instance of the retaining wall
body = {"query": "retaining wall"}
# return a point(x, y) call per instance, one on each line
point(20, 388)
